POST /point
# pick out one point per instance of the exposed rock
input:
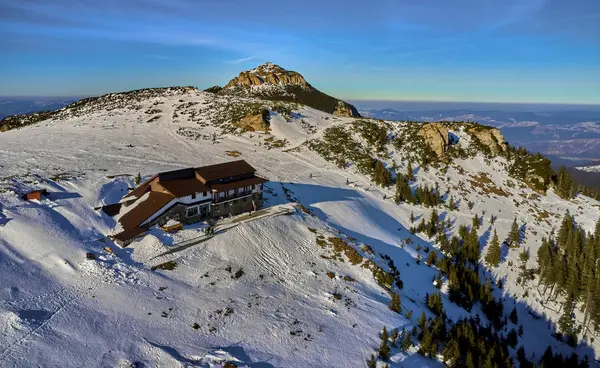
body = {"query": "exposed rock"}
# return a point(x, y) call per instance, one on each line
point(345, 109)
point(272, 82)
point(436, 136)
point(268, 73)
point(490, 137)
point(254, 122)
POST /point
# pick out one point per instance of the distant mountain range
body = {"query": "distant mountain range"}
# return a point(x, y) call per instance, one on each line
point(571, 133)
point(24, 105)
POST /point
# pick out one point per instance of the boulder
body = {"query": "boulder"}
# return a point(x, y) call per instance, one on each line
point(436, 137)
point(490, 137)
point(254, 122)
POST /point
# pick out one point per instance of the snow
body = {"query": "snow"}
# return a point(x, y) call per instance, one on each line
point(57, 308)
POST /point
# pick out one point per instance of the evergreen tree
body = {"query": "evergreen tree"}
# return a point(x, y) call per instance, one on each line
point(564, 185)
point(384, 349)
point(394, 337)
point(514, 318)
point(512, 338)
point(475, 222)
point(412, 217)
point(470, 362)
point(409, 172)
point(372, 363)
point(438, 280)
point(395, 304)
point(406, 342)
point(138, 179)
point(382, 176)
point(566, 322)
point(492, 257)
point(514, 236)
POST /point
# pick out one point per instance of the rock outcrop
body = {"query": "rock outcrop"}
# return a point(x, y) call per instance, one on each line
point(490, 137)
point(268, 73)
point(345, 109)
point(272, 82)
point(254, 122)
point(436, 137)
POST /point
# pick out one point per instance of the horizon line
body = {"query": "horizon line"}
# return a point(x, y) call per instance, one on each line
point(81, 96)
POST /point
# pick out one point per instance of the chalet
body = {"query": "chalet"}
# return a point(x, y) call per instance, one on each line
point(188, 196)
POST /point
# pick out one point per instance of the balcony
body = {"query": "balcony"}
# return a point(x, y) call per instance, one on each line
point(229, 197)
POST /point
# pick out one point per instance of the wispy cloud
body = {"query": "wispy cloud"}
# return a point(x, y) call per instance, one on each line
point(242, 60)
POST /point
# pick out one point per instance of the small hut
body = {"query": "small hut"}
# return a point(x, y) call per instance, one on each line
point(35, 194)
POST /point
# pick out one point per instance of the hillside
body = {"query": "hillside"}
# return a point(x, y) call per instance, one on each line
point(313, 290)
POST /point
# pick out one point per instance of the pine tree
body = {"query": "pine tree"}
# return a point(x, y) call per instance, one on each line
point(372, 363)
point(412, 217)
point(566, 322)
point(492, 258)
point(470, 363)
point(422, 322)
point(475, 222)
point(138, 179)
point(395, 304)
point(514, 236)
point(384, 349)
point(394, 337)
point(438, 280)
point(409, 172)
point(406, 342)
point(514, 318)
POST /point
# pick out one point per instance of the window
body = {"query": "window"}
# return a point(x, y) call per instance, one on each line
point(192, 211)
point(194, 196)
point(245, 199)
point(204, 194)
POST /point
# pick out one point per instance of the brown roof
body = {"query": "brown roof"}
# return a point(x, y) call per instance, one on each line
point(225, 170)
point(238, 184)
point(182, 188)
point(141, 189)
point(129, 233)
point(112, 209)
point(144, 209)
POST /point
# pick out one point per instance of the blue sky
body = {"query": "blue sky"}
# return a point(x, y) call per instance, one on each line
point(438, 50)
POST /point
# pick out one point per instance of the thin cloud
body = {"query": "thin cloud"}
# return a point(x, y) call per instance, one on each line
point(242, 60)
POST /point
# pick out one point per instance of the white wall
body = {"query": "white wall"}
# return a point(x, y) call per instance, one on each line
point(185, 200)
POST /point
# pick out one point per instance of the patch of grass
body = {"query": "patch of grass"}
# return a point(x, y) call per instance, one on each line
point(170, 265)
point(233, 153)
point(303, 209)
point(340, 246)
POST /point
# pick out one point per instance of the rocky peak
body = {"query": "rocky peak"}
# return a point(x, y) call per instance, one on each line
point(267, 74)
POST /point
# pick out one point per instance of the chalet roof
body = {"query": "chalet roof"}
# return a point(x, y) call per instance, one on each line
point(182, 174)
point(141, 189)
point(129, 233)
point(238, 184)
point(185, 187)
point(225, 170)
point(144, 209)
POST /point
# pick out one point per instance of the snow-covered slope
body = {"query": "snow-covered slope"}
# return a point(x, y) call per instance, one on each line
point(294, 305)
